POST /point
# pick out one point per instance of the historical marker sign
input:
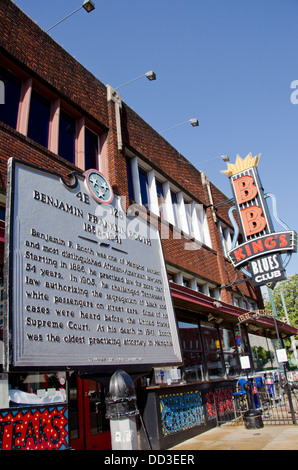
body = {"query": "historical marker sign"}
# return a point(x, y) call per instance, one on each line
point(87, 285)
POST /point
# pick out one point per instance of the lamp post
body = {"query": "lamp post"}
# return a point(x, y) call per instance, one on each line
point(194, 122)
point(225, 158)
point(88, 6)
point(151, 75)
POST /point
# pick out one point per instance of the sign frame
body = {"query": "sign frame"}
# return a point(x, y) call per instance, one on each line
point(266, 266)
point(12, 361)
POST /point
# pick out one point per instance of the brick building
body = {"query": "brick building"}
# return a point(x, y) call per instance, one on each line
point(58, 116)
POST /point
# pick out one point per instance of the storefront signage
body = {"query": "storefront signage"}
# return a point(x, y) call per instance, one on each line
point(266, 245)
point(44, 428)
point(262, 247)
point(184, 410)
point(181, 411)
point(255, 315)
point(87, 285)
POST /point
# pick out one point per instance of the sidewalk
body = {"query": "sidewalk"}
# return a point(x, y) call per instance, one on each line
point(228, 437)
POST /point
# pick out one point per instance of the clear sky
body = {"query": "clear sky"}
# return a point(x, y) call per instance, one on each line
point(228, 63)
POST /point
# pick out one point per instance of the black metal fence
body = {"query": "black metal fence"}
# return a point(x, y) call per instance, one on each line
point(276, 398)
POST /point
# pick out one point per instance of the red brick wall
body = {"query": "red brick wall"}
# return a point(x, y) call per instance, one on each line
point(138, 135)
point(41, 57)
point(33, 48)
point(14, 144)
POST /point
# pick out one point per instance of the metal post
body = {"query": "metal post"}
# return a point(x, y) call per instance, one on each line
point(286, 385)
point(288, 321)
point(122, 411)
point(289, 395)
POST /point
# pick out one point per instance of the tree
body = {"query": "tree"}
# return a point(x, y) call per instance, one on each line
point(289, 289)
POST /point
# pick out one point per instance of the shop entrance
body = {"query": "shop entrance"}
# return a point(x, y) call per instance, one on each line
point(88, 429)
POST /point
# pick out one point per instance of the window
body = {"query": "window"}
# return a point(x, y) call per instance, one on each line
point(38, 388)
point(11, 87)
point(209, 352)
point(67, 134)
point(212, 351)
point(262, 352)
point(229, 351)
point(214, 293)
point(144, 187)
point(192, 351)
point(91, 150)
point(199, 288)
point(160, 198)
point(175, 208)
point(202, 225)
point(226, 235)
point(39, 118)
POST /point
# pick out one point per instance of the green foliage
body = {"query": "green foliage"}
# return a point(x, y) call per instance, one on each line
point(289, 290)
point(260, 353)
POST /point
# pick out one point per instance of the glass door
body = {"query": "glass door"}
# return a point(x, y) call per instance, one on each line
point(89, 429)
point(97, 427)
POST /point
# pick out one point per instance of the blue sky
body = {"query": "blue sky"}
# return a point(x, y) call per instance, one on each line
point(228, 63)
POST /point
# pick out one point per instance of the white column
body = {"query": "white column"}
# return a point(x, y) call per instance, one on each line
point(136, 180)
point(182, 213)
point(179, 278)
point(169, 213)
point(153, 201)
point(195, 222)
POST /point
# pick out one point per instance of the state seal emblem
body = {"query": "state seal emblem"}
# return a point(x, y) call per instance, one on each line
point(98, 187)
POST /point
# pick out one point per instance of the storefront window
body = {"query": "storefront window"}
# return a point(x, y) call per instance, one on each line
point(36, 388)
point(229, 351)
point(192, 351)
point(242, 341)
point(262, 352)
point(212, 349)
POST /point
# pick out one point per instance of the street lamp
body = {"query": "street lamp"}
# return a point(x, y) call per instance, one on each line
point(88, 5)
point(225, 158)
point(151, 75)
point(194, 122)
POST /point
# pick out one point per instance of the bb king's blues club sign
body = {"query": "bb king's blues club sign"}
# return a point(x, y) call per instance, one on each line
point(262, 249)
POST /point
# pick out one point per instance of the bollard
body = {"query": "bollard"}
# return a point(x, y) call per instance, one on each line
point(122, 411)
point(252, 418)
point(248, 391)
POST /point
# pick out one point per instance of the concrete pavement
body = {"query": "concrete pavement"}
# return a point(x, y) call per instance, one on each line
point(237, 437)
